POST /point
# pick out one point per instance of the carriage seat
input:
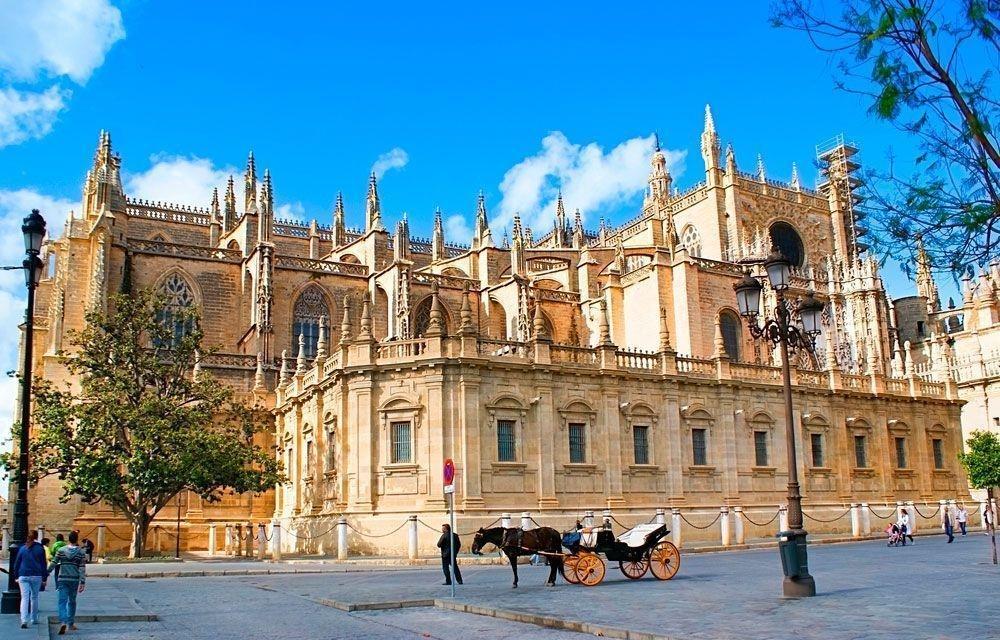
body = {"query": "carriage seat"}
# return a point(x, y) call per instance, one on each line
point(636, 536)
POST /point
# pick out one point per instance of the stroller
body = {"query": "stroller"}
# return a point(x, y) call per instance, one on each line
point(895, 535)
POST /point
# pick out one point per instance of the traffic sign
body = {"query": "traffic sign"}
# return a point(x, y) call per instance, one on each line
point(449, 471)
point(449, 488)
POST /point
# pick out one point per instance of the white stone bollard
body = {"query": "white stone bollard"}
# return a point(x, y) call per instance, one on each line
point(227, 540)
point(525, 520)
point(276, 541)
point(505, 520)
point(724, 525)
point(261, 541)
point(211, 540)
point(6, 542)
point(661, 517)
point(741, 536)
point(675, 526)
point(912, 510)
point(782, 518)
point(99, 548)
point(607, 518)
point(855, 521)
point(249, 540)
point(588, 519)
point(412, 539)
point(866, 519)
point(342, 538)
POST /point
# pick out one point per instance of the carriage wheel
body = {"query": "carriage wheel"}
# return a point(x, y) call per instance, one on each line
point(664, 560)
point(590, 569)
point(569, 569)
point(634, 569)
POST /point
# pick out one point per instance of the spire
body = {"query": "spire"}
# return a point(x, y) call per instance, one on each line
point(266, 209)
point(283, 374)
point(250, 183)
point(321, 340)
point(365, 334)
point(373, 210)
point(538, 323)
point(214, 208)
point(103, 188)
point(656, 141)
point(401, 241)
point(258, 376)
point(339, 227)
point(604, 339)
point(796, 184)
point(579, 238)
point(730, 160)
point(711, 148)
point(761, 170)
point(435, 325)
point(659, 178)
point(300, 359)
point(926, 288)
point(437, 238)
point(720, 343)
point(481, 236)
point(345, 325)
point(229, 215)
point(466, 327)
point(560, 225)
point(664, 331)
point(517, 258)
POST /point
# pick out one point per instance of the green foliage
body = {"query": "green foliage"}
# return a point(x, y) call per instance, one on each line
point(929, 68)
point(142, 428)
point(982, 460)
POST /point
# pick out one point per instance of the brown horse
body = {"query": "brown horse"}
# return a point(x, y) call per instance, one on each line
point(517, 542)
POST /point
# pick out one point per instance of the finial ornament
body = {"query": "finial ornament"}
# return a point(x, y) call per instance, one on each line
point(258, 376)
point(345, 325)
point(300, 359)
point(466, 327)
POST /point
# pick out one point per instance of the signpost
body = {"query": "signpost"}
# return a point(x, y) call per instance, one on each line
point(449, 489)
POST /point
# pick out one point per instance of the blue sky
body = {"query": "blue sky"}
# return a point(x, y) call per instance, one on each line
point(516, 100)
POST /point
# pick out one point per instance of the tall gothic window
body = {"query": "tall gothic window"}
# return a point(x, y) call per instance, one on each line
point(729, 322)
point(786, 239)
point(691, 240)
point(178, 298)
point(310, 309)
point(422, 318)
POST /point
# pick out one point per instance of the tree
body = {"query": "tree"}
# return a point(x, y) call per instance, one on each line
point(145, 424)
point(927, 67)
point(982, 464)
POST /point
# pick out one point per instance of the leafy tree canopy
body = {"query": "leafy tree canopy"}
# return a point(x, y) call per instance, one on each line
point(982, 460)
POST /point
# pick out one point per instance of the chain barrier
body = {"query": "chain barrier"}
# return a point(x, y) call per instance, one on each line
point(383, 535)
point(761, 524)
point(714, 520)
point(879, 515)
point(920, 513)
point(115, 535)
point(814, 519)
point(615, 520)
point(467, 533)
point(313, 537)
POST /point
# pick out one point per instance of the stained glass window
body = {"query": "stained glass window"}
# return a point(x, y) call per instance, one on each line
point(309, 311)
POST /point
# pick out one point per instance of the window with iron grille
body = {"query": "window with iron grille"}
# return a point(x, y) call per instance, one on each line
point(506, 444)
point(698, 440)
point(860, 452)
point(309, 458)
point(900, 453)
point(760, 448)
point(729, 323)
point(640, 443)
point(816, 440)
point(402, 449)
point(937, 445)
point(577, 442)
point(331, 450)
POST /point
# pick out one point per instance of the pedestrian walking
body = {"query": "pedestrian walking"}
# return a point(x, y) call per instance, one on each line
point(903, 522)
point(962, 518)
point(54, 549)
point(71, 580)
point(449, 563)
point(987, 518)
point(948, 526)
point(30, 570)
point(88, 546)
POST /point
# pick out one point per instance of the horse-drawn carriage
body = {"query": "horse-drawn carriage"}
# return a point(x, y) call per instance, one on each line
point(638, 550)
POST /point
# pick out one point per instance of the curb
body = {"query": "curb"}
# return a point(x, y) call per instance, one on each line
point(45, 630)
point(375, 606)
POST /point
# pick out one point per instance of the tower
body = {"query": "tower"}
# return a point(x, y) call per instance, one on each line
point(103, 188)
point(373, 209)
point(659, 178)
point(926, 287)
point(437, 239)
point(339, 228)
point(481, 235)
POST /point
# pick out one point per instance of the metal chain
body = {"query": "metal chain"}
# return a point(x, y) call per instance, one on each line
point(459, 533)
point(761, 524)
point(383, 535)
point(304, 537)
point(919, 513)
point(814, 519)
point(878, 515)
point(714, 520)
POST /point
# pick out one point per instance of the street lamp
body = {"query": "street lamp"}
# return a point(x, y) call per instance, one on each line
point(34, 233)
point(792, 543)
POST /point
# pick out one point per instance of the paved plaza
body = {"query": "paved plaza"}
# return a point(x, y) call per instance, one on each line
point(928, 590)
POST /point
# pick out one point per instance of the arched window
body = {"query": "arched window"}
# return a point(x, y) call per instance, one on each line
point(731, 329)
point(178, 298)
point(422, 318)
point(786, 239)
point(309, 311)
point(691, 240)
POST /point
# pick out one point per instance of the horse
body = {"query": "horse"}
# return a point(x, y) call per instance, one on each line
point(517, 542)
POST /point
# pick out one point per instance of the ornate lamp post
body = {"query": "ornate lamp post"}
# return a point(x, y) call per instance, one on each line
point(792, 543)
point(34, 232)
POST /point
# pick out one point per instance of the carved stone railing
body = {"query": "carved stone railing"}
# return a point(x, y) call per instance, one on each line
point(332, 363)
point(322, 266)
point(556, 295)
point(448, 282)
point(755, 372)
point(502, 348)
point(229, 361)
point(401, 349)
point(685, 199)
point(637, 274)
point(637, 360)
point(695, 367)
point(813, 379)
point(897, 386)
point(932, 389)
point(572, 355)
point(158, 247)
point(718, 265)
point(167, 212)
point(856, 382)
point(310, 377)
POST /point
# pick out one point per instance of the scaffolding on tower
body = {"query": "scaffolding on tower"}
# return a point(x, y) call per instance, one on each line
point(839, 175)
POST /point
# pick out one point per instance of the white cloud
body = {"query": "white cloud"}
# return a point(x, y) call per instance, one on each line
point(179, 179)
point(293, 211)
point(457, 229)
point(590, 179)
point(27, 114)
point(57, 37)
point(14, 206)
point(393, 159)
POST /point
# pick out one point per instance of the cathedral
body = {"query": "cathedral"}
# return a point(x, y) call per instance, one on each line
point(561, 369)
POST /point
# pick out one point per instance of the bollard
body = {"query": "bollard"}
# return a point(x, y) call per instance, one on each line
point(99, 548)
point(855, 521)
point(724, 525)
point(261, 541)
point(913, 517)
point(211, 540)
point(675, 526)
point(782, 518)
point(866, 520)
point(525, 520)
point(413, 538)
point(227, 539)
point(661, 518)
point(6, 543)
point(342, 538)
point(156, 538)
point(606, 514)
point(275, 541)
point(249, 540)
point(588, 519)
point(741, 538)
point(238, 540)
point(505, 520)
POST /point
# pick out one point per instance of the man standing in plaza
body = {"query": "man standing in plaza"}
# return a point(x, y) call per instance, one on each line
point(71, 564)
point(962, 518)
point(449, 563)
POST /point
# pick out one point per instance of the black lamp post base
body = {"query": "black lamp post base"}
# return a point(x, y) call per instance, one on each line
point(800, 587)
point(10, 602)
